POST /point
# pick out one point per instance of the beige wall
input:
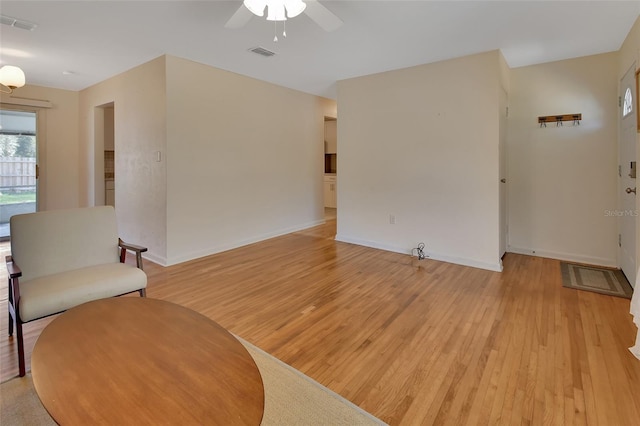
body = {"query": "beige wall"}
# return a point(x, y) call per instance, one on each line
point(421, 144)
point(140, 122)
point(563, 179)
point(630, 50)
point(205, 160)
point(58, 153)
point(244, 159)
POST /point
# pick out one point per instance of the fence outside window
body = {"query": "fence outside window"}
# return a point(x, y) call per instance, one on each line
point(17, 186)
point(17, 172)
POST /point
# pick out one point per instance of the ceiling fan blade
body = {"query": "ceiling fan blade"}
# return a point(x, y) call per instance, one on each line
point(322, 16)
point(239, 19)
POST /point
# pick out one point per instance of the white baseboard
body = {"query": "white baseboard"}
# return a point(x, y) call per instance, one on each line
point(159, 260)
point(497, 267)
point(569, 257)
point(240, 243)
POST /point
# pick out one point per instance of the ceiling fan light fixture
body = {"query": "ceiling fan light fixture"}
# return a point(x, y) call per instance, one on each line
point(11, 77)
point(276, 11)
point(256, 6)
point(294, 7)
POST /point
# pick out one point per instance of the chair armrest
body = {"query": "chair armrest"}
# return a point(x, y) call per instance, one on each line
point(138, 250)
point(131, 247)
point(12, 268)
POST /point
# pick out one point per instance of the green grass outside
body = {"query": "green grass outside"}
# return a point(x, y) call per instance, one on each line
point(24, 197)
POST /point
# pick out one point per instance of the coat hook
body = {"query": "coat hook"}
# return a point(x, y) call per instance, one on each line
point(559, 119)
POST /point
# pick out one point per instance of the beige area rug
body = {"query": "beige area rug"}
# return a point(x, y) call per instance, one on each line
point(611, 282)
point(291, 398)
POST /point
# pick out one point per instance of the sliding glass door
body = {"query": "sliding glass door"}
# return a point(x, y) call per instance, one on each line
point(18, 166)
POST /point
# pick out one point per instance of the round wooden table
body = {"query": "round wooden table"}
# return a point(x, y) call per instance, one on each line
point(134, 360)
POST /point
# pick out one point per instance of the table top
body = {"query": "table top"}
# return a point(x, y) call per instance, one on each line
point(135, 360)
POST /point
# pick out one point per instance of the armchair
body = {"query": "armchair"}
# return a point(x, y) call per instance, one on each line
point(63, 258)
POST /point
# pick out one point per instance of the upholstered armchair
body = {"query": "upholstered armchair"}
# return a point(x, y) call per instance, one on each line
point(62, 258)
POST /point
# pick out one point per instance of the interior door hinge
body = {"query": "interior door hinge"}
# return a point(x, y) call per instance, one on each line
point(507, 112)
point(619, 101)
point(619, 170)
point(619, 240)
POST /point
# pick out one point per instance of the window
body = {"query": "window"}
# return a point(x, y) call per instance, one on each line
point(627, 103)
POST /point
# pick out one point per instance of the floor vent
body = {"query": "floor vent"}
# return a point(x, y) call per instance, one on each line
point(13, 22)
point(262, 51)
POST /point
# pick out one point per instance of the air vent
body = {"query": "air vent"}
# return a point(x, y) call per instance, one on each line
point(262, 51)
point(13, 22)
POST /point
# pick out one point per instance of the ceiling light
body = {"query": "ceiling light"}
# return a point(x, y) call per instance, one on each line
point(294, 7)
point(11, 77)
point(278, 10)
point(256, 6)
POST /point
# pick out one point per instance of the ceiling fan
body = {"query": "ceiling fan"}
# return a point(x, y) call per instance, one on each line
point(322, 16)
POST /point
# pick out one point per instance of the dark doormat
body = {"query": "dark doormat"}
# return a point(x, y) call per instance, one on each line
point(611, 282)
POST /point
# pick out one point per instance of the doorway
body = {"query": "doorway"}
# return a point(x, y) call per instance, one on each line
point(330, 193)
point(627, 173)
point(109, 157)
point(18, 166)
point(105, 158)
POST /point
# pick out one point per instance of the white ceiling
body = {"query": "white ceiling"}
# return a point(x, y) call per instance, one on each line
point(95, 40)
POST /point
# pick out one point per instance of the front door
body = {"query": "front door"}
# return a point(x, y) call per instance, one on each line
point(627, 172)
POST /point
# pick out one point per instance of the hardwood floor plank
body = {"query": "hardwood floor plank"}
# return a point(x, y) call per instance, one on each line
point(413, 342)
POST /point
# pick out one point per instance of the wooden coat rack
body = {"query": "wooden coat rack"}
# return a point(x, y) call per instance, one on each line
point(559, 119)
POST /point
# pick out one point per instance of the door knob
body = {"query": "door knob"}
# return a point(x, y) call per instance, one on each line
point(503, 180)
point(629, 190)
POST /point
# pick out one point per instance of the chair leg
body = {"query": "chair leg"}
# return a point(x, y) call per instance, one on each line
point(11, 319)
point(10, 324)
point(21, 361)
point(10, 304)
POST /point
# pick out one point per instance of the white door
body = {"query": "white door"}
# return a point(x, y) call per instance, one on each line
point(502, 145)
point(628, 182)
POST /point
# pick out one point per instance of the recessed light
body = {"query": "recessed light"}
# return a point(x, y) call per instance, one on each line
point(68, 73)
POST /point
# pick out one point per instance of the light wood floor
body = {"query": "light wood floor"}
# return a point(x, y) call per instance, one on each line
point(414, 342)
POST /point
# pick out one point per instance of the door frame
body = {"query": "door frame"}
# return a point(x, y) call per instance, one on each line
point(623, 171)
point(39, 124)
point(41, 151)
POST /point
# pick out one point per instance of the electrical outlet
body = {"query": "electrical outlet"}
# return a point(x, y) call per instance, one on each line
point(392, 219)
